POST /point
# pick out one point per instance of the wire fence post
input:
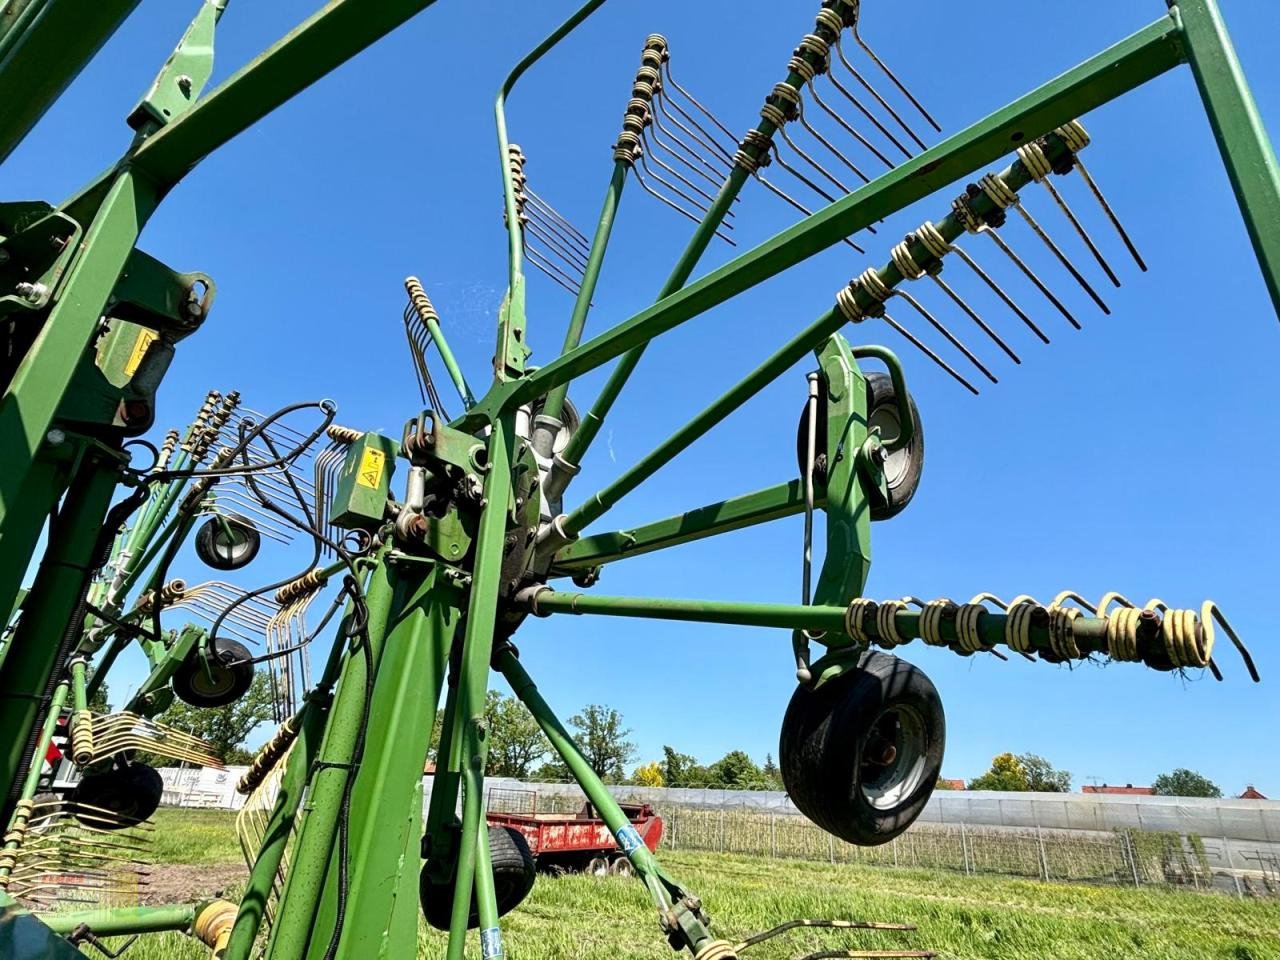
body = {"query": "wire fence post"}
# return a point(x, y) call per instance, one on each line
point(964, 848)
point(773, 836)
point(722, 829)
point(1044, 858)
point(1133, 859)
point(1231, 867)
point(831, 848)
point(895, 851)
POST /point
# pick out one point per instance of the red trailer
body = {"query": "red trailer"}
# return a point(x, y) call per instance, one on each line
point(581, 841)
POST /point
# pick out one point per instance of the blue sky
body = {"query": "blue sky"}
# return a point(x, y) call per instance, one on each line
point(1131, 456)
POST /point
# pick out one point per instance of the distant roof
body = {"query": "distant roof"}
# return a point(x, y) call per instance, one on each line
point(957, 784)
point(1128, 789)
point(1252, 794)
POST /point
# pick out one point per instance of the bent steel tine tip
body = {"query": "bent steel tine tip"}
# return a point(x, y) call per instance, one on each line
point(959, 302)
point(848, 128)
point(1111, 215)
point(866, 84)
point(782, 194)
point(1030, 274)
point(923, 348)
point(951, 337)
point(1062, 257)
point(1079, 228)
point(999, 291)
point(857, 36)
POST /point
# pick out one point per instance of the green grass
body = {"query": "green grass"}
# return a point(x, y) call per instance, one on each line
point(965, 918)
point(195, 836)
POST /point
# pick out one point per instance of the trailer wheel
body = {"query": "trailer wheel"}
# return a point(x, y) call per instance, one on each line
point(861, 754)
point(227, 543)
point(513, 876)
point(598, 866)
point(621, 867)
point(226, 678)
point(117, 798)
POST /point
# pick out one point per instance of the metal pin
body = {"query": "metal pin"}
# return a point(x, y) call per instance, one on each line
point(644, 185)
point(1018, 261)
point(857, 75)
point(973, 265)
point(875, 121)
point(946, 288)
point(1062, 257)
point(951, 338)
point(890, 74)
point(1088, 241)
point(848, 128)
point(1111, 215)
point(919, 345)
point(778, 192)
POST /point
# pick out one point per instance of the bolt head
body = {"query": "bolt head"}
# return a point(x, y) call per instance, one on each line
point(56, 438)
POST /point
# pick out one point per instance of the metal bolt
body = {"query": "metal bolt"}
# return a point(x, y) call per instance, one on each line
point(56, 438)
point(184, 83)
point(31, 292)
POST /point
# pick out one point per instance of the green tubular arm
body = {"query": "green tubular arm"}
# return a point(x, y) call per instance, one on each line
point(907, 430)
point(1128, 64)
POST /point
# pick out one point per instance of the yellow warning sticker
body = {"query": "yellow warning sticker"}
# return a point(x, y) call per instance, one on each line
point(371, 464)
point(145, 339)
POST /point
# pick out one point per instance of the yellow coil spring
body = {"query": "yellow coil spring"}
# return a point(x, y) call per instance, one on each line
point(717, 950)
point(13, 839)
point(346, 435)
point(82, 745)
point(269, 756)
point(213, 925)
point(309, 581)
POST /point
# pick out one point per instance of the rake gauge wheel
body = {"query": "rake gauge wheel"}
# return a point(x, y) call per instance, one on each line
point(227, 543)
point(902, 468)
point(218, 680)
point(860, 755)
point(513, 876)
point(130, 794)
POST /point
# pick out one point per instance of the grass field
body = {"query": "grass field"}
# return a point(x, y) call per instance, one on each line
point(966, 918)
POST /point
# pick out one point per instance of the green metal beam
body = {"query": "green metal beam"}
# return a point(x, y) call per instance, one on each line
point(122, 921)
point(1129, 64)
point(1246, 149)
point(761, 506)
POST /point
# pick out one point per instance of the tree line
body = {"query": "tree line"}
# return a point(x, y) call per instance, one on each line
point(1030, 772)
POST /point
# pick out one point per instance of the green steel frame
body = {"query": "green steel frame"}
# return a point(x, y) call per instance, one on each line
point(430, 627)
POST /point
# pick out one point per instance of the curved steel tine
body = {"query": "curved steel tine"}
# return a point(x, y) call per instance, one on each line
point(696, 154)
point(416, 354)
point(812, 162)
point(697, 205)
point(556, 244)
point(1018, 261)
point(553, 231)
point(666, 73)
point(550, 270)
point(1088, 241)
point(644, 185)
point(866, 84)
point(1062, 257)
point(804, 122)
point(951, 338)
point(919, 345)
point(683, 179)
point(959, 302)
point(558, 217)
point(1111, 215)
point(650, 134)
point(986, 278)
point(697, 133)
point(848, 127)
point(857, 36)
point(778, 192)
point(875, 121)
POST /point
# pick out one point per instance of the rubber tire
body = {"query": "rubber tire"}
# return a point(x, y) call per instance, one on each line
point(621, 867)
point(132, 793)
point(513, 877)
point(233, 677)
point(880, 392)
point(825, 732)
point(208, 539)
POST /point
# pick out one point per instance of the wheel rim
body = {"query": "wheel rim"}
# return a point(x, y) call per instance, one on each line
point(231, 546)
point(213, 681)
point(893, 758)
point(898, 463)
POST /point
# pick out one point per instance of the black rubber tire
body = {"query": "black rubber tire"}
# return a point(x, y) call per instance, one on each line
point(882, 407)
point(232, 676)
point(830, 736)
point(513, 877)
point(213, 549)
point(132, 793)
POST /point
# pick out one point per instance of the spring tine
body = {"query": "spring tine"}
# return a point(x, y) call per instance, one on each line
point(644, 185)
point(959, 302)
point(550, 270)
point(919, 345)
point(556, 244)
point(1111, 215)
point(851, 131)
point(866, 84)
point(1088, 241)
point(986, 278)
point(1062, 257)
point(857, 35)
point(999, 241)
point(875, 121)
point(812, 162)
point(830, 146)
point(951, 338)
point(697, 133)
point(666, 73)
point(777, 192)
point(558, 217)
point(650, 134)
point(554, 234)
point(677, 174)
point(696, 204)
point(697, 155)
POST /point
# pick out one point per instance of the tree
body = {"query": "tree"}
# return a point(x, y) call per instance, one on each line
point(225, 728)
point(735, 771)
point(682, 769)
point(603, 740)
point(648, 775)
point(516, 741)
point(1027, 771)
point(100, 701)
point(772, 775)
point(1185, 783)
